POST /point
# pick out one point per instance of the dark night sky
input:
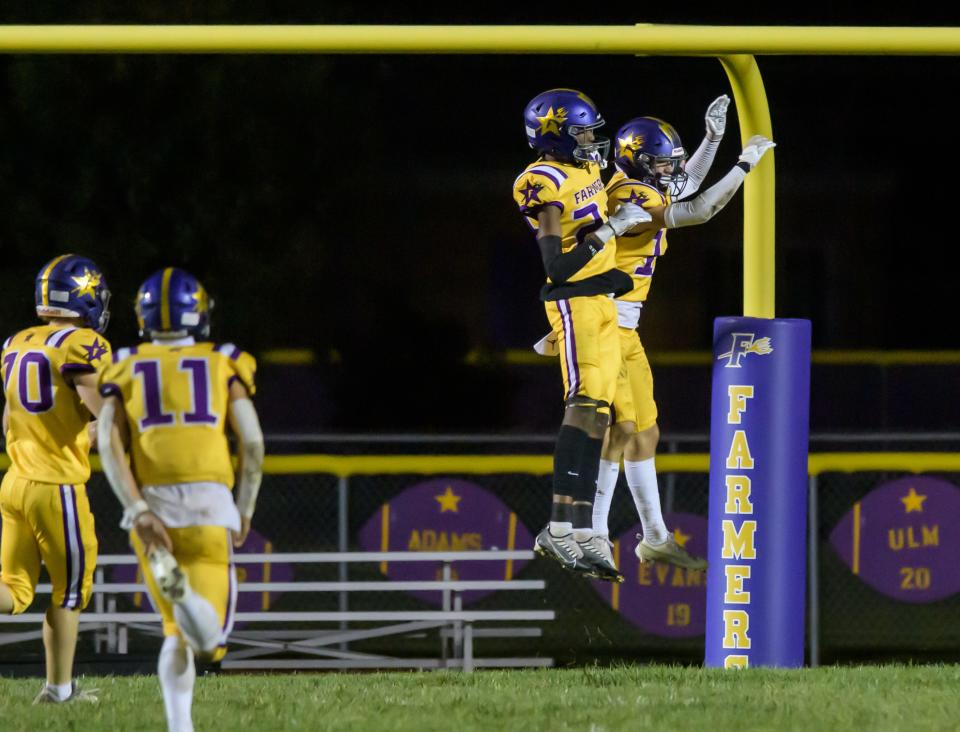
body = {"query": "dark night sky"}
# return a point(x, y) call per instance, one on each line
point(338, 202)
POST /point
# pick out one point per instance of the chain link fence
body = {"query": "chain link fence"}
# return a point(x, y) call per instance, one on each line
point(896, 596)
point(657, 614)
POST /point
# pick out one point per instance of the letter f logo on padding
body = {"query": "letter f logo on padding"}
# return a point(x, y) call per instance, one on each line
point(743, 344)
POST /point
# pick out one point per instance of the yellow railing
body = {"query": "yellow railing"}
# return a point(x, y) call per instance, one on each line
point(348, 465)
point(527, 357)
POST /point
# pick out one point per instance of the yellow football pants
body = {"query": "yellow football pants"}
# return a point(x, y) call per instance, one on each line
point(586, 329)
point(634, 398)
point(204, 554)
point(49, 523)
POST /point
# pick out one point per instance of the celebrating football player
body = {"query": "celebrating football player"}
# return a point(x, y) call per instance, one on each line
point(50, 386)
point(564, 202)
point(170, 399)
point(651, 173)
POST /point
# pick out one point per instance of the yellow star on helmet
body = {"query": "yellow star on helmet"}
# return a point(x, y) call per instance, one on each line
point(629, 145)
point(551, 121)
point(448, 500)
point(202, 299)
point(86, 283)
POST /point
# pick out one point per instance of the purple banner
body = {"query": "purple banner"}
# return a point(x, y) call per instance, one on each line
point(246, 601)
point(758, 493)
point(900, 539)
point(445, 515)
point(659, 598)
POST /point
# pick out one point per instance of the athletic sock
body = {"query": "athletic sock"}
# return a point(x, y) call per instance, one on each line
point(61, 691)
point(567, 462)
point(582, 520)
point(589, 469)
point(642, 479)
point(606, 484)
point(198, 622)
point(177, 675)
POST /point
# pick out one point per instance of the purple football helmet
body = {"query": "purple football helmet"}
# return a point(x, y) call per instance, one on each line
point(71, 286)
point(553, 120)
point(644, 143)
point(171, 303)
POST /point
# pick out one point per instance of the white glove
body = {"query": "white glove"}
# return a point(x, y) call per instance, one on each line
point(547, 346)
point(716, 118)
point(754, 150)
point(628, 216)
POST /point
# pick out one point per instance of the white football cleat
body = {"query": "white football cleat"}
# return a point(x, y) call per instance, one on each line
point(170, 579)
point(77, 694)
point(670, 552)
point(598, 550)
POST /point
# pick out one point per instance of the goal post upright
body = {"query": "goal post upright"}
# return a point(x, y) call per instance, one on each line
point(759, 214)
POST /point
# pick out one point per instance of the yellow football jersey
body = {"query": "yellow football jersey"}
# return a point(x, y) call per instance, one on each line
point(47, 437)
point(637, 254)
point(579, 194)
point(175, 397)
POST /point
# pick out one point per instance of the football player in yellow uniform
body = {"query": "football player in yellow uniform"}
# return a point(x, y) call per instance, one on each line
point(651, 172)
point(50, 387)
point(171, 399)
point(563, 200)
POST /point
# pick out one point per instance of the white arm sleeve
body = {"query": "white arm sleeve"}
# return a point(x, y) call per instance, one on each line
point(705, 206)
point(698, 166)
point(243, 419)
point(117, 472)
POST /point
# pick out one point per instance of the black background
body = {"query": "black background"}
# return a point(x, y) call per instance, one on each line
point(360, 205)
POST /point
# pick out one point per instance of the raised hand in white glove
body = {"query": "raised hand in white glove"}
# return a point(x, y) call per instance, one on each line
point(716, 117)
point(628, 216)
point(755, 148)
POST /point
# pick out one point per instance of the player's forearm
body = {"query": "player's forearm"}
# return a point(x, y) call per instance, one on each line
point(250, 454)
point(89, 392)
point(705, 206)
point(561, 266)
point(699, 165)
point(115, 465)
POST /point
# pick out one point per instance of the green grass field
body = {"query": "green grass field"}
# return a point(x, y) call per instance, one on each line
point(587, 699)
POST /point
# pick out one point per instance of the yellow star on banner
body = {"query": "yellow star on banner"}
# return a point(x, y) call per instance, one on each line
point(86, 283)
point(681, 538)
point(448, 500)
point(551, 121)
point(913, 501)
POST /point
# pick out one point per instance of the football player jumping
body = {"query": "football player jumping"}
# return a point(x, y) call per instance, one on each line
point(651, 173)
point(563, 200)
point(50, 386)
point(170, 399)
